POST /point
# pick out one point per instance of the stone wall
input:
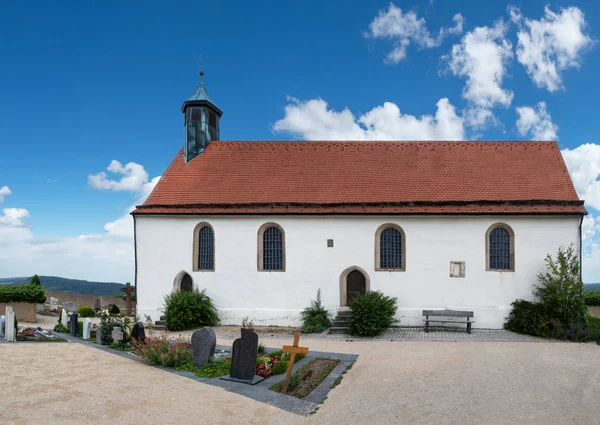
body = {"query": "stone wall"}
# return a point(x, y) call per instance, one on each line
point(84, 299)
point(25, 312)
point(595, 311)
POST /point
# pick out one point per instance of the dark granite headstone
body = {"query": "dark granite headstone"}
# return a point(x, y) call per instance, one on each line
point(204, 342)
point(138, 334)
point(97, 306)
point(99, 335)
point(73, 324)
point(243, 356)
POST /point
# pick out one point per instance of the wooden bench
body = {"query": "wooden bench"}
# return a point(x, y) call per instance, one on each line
point(447, 313)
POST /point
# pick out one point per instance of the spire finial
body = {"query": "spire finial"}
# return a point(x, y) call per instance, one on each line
point(201, 72)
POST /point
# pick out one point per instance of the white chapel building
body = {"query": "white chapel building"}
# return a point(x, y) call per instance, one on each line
point(263, 225)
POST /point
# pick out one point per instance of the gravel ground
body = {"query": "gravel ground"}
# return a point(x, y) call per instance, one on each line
point(412, 382)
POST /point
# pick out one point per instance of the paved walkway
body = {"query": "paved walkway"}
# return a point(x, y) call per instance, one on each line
point(412, 382)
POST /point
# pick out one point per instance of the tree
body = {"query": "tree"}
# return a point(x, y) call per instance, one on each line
point(35, 280)
point(561, 287)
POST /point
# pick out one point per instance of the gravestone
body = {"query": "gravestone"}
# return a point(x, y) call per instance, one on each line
point(2, 322)
point(117, 334)
point(243, 356)
point(204, 342)
point(73, 324)
point(53, 304)
point(64, 318)
point(70, 306)
point(97, 306)
point(9, 325)
point(87, 327)
point(138, 334)
point(99, 335)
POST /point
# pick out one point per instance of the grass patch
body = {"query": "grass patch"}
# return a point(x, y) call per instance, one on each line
point(308, 377)
point(120, 346)
point(212, 369)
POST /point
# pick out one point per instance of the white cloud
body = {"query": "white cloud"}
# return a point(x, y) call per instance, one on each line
point(14, 217)
point(583, 163)
point(315, 120)
point(548, 46)
point(591, 263)
point(481, 58)
point(589, 227)
point(4, 191)
point(134, 177)
point(536, 123)
point(403, 28)
point(104, 257)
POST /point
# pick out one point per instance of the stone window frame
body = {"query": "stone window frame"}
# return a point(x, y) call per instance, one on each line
point(196, 249)
point(380, 229)
point(260, 246)
point(511, 239)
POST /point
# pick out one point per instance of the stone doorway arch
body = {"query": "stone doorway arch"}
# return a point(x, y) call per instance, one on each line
point(183, 282)
point(354, 281)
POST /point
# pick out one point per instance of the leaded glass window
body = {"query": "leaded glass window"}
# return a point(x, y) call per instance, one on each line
point(499, 245)
point(390, 249)
point(272, 255)
point(206, 248)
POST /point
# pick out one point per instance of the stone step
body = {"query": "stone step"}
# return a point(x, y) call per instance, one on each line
point(161, 322)
point(338, 330)
point(340, 323)
point(158, 327)
point(344, 313)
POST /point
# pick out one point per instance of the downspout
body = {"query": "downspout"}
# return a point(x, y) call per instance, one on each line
point(136, 266)
point(580, 249)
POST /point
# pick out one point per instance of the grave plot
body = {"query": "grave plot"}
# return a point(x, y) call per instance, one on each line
point(291, 378)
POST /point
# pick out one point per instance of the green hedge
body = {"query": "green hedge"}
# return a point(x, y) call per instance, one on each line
point(592, 298)
point(22, 294)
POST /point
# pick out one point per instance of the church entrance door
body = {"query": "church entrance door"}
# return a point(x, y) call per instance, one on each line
point(355, 285)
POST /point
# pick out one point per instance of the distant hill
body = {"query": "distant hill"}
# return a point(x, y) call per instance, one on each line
point(53, 283)
point(591, 286)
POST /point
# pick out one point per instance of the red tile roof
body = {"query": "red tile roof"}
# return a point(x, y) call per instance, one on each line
point(368, 177)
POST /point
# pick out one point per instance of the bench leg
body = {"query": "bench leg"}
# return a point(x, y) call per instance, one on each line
point(427, 326)
point(469, 327)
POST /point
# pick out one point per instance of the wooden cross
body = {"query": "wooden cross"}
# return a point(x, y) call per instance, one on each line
point(294, 349)
point(128, 290)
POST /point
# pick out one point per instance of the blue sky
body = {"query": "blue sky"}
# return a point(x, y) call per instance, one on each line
point(83, 84)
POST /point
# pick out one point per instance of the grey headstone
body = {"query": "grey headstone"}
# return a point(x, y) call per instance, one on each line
point(117, 334)
point(99, 335)
point(2, 323)
point(64, 318)
point(9, 325)
point(243, 355)
point(70, 306)
point(138, 333)
point(87, 328)
point(97, 305)
point(53, 303)
point(73, 324)
point(203, 346)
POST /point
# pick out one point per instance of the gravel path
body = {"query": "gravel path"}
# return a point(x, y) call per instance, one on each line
point(392, 382)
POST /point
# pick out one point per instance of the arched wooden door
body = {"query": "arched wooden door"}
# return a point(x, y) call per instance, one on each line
point(355, 285)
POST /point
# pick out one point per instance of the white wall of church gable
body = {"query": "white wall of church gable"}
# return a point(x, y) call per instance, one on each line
point(165, 248)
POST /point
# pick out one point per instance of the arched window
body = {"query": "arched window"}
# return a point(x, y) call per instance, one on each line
point(500, 244)
point(204, 248)
point(390, 248)
point(271, 248)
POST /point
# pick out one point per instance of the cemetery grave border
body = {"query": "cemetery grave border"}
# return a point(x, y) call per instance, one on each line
point(261, 391)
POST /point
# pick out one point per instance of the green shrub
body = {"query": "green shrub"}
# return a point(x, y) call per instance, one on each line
point(35, 280)
point(280, 367)
point(561, 289)
point(22, 294)
point(529, 318)
point(189, 310)
point(592, 298)
point(86, 311)
point(315, 318)
point(212, 369)
point(60, 328)
point(108, 322)
point(372, 313)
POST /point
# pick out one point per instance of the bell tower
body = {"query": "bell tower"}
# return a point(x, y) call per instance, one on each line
point(201, 121)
